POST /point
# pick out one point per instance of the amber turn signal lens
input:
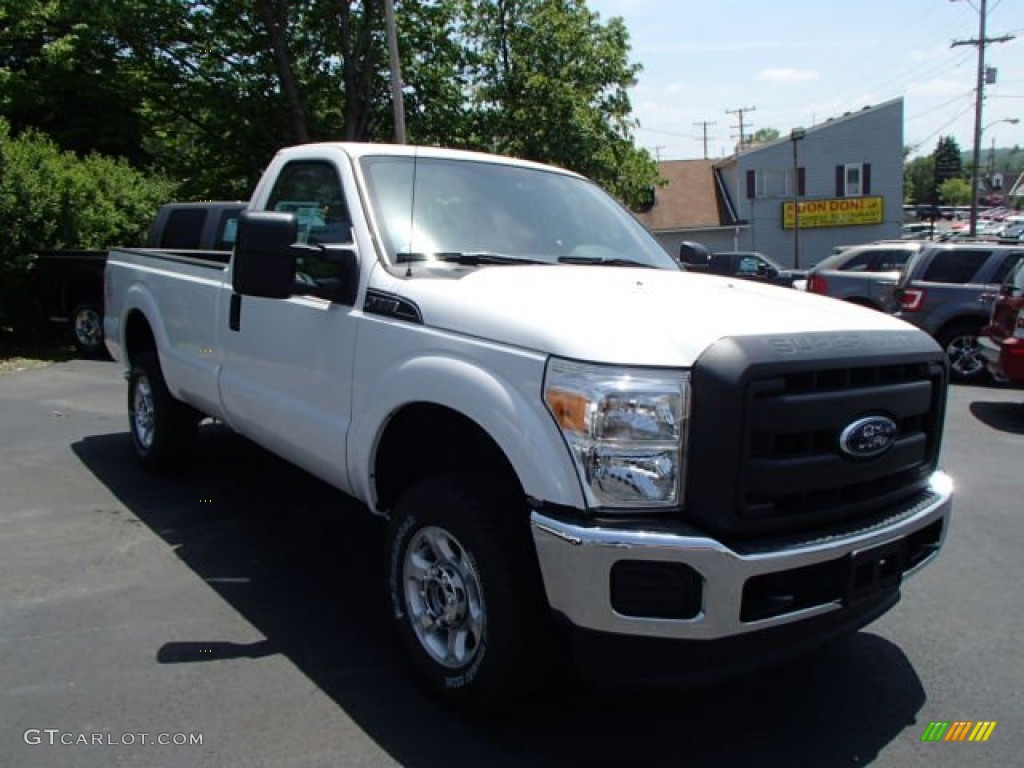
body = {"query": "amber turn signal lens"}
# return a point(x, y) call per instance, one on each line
point(569, 409)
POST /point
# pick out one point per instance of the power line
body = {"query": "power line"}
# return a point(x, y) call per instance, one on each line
point(867, 80)
point(936, 108)
point(941, 128)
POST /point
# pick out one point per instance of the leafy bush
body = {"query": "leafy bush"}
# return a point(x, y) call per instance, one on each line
point(51, 200)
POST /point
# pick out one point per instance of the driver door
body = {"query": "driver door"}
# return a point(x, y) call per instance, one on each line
point(287, 365)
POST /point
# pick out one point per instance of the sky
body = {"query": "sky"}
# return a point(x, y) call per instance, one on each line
point(797, 63)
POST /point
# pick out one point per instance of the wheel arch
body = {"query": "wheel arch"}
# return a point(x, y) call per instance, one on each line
point(436, 414)
point(135, 326)
point(138, 335)
point(409, 450)
point(962, 319)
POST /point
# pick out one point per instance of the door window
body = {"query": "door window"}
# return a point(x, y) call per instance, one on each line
point(184, 229)
point(858, 263)
point(889, 261)
point(1010, 260)
point(955, 266)
point(312, 191)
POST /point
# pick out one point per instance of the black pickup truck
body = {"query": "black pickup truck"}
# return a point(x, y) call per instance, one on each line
point(746, 265)
point(68, 285)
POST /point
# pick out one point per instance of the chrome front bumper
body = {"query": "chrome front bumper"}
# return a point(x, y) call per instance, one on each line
point(576, 562)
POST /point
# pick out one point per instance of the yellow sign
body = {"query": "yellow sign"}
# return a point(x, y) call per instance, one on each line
point(835, 212)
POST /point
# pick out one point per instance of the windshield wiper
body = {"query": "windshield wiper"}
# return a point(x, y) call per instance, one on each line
point(587, 260)
point(470, 259)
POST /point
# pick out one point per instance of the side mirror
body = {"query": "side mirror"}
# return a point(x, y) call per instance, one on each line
point(694, 254)
point(264, 260)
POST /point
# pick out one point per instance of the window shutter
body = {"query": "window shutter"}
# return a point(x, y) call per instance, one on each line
point(750, 184)
point(865, 178)
point(840, 181)
point(801, 182)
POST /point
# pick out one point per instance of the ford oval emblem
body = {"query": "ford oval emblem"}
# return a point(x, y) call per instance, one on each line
point(868, 437)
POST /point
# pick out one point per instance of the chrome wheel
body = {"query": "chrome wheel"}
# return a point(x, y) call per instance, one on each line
point(88, 328)
point(143, 420)
point(965, 356)
point(444, 597)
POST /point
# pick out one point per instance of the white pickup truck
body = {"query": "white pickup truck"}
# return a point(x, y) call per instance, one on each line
point(570, 435)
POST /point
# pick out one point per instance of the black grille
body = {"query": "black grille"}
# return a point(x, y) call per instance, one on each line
point(776, 465)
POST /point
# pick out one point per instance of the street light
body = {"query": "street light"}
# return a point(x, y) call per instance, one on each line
point(796, 135)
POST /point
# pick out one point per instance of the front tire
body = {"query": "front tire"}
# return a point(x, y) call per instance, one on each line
point(466, 593)
point(960, 342)
point(163, 429)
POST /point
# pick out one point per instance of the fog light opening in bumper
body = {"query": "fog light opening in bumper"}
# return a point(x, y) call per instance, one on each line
point(655, 590)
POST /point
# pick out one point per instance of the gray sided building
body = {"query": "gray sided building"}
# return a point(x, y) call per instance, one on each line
point(847, 175)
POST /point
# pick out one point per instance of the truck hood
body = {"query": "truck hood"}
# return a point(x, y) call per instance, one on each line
point(623, 315)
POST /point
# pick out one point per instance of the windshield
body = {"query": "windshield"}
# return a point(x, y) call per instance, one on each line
point(447, 213)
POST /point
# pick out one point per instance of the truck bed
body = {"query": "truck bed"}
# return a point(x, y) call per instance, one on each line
point(188, 287)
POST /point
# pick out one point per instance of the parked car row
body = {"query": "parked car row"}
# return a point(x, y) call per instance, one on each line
point(946, 289)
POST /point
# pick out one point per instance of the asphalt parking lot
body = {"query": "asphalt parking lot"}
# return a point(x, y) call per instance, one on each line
point(241, 605)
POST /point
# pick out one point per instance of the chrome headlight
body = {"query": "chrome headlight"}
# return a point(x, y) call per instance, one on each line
point(625, 428)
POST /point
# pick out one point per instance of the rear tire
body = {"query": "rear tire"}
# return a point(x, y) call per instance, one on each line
point(466, 593)
point(960, 343)
point(87, 326)
point(163, 429)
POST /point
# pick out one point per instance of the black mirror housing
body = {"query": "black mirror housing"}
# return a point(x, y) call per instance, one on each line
point(264, 260)
point(694, 254)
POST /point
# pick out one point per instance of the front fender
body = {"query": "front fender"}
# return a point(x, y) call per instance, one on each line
point(498, 389)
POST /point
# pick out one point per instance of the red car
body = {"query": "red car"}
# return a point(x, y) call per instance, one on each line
point(1001, 342)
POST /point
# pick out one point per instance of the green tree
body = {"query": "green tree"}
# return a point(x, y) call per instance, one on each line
point(208, 92)
point(60, 73)
point(548, 81)
point(764, 134)
point(947, 160)
point(52, 199)
point(955, 192)
point(919, 180)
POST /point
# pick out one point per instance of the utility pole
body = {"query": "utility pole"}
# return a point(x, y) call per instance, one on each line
point(397, 101)
point(740, 112)
point(979, 100)
point(705, 124)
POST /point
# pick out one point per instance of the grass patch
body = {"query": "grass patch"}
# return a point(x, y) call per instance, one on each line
point(21, 351)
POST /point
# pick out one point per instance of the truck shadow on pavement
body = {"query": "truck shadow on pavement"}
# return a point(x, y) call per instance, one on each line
point(303, 564)
point(1006, 417)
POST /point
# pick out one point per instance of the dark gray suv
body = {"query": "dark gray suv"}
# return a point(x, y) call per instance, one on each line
point(947, 290)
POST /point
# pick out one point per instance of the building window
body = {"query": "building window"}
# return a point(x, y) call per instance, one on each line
point(853, 176)
point(853, 180)
point(773, 183)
